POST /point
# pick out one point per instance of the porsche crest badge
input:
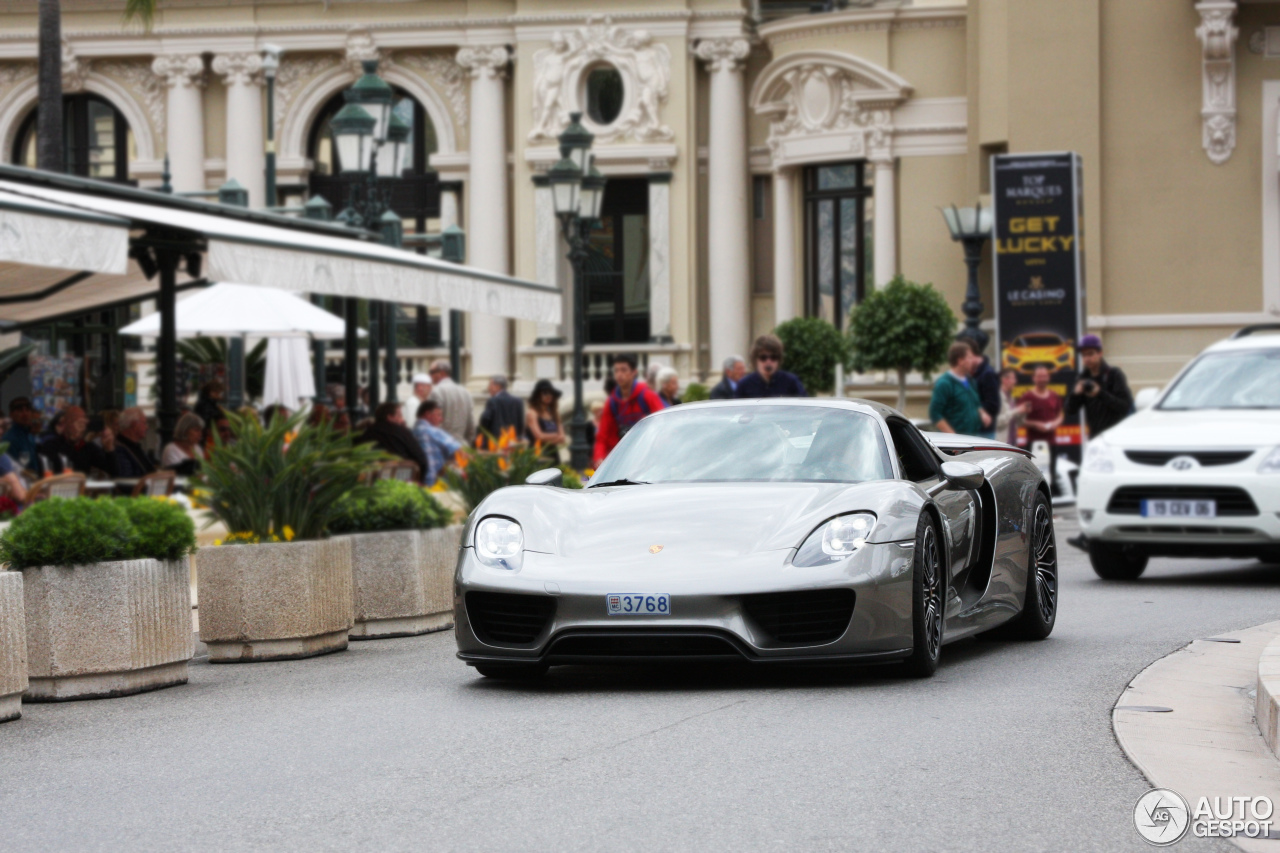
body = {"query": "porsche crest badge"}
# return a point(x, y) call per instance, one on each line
point(653, 549)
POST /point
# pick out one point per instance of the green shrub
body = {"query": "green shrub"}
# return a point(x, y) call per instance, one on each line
point(283, 480)
point(903, 326)
point(812, 348)
point(60, 532)
point(696, 391)
point(162, 529)
point(389, 505)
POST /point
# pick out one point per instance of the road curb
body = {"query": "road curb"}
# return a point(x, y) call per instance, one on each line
point(1206, 741)
point(1266, 708)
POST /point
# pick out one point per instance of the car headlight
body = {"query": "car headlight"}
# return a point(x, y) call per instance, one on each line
point(499, 543)
point(835, 539)
point(1098, 458)
point(1271, 465)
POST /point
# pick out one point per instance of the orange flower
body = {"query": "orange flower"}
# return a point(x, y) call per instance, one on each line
point(461, 459)
point(479, 441)
point(507, 436)
point(503, 464)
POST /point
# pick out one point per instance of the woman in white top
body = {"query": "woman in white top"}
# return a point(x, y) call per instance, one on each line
point(184, 454)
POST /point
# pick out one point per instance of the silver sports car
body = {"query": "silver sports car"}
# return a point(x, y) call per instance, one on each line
point(816, 531)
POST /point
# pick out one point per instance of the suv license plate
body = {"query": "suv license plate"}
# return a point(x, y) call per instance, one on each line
point(1162, 508)
point(637, 604)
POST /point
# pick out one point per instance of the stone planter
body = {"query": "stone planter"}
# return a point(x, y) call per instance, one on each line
point(274, 602)
point(13, 646)
point(106, 629)
point(403, 581)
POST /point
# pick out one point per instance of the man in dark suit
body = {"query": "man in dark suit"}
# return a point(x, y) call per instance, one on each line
point(727, 388)
point(389, 433)
point(502, 410)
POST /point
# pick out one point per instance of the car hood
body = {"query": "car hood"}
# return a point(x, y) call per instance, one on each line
point(1203, 429)
point(715, 520)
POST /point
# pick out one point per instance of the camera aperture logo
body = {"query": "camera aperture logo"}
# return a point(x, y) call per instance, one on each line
point(1163, 817)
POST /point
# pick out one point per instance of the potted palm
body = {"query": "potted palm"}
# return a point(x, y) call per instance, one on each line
point(106, 595)
point(13, 646)
point(404, 547)
point(277, 586)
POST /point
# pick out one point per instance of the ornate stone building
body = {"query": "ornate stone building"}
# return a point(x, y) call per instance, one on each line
point(764, 161)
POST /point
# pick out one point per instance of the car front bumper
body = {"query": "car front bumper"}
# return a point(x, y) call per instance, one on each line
point(709, 617)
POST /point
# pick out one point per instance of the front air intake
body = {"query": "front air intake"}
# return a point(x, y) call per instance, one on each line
point(803, 618)
point(505, 619)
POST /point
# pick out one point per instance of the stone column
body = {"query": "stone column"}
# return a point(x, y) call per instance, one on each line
point(660, 258)
point(784, 246)
point(487, 215)
point(246, 135)
point(728, 223)
point(448, 217)
point(885, 223)
point(183, 76)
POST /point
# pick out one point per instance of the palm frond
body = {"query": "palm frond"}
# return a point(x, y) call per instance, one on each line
point(142, 10)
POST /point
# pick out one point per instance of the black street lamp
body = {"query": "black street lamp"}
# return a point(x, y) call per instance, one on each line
point(970, 226)
point(577, 190)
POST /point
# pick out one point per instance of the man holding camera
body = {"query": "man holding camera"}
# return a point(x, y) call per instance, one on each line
point(1101, 390)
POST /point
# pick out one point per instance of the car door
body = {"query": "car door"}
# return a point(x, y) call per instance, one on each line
point(919, 463)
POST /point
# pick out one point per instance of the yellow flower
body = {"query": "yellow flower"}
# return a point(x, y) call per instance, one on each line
point(288, 533)
point(438, 486)
point(217, 542)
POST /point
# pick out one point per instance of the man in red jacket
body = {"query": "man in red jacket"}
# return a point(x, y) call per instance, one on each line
point(628, 403)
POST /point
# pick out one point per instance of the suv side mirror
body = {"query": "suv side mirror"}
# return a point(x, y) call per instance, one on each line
point(545, 477)
point(1146, 397)
point(963, 476)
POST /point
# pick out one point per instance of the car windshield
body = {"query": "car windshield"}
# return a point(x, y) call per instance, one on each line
point(1041, 340)
point(699, 444)
point(1244, 379)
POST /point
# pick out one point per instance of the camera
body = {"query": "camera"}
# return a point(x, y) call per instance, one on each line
point(1089, 386)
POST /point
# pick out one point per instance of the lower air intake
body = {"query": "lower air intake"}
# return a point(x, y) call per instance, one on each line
point(803, 618)
point(504, 618)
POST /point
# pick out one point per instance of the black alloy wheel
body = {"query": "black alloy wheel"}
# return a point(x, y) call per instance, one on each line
point(1040, 603)
point(928, 584)
point(1116, 562)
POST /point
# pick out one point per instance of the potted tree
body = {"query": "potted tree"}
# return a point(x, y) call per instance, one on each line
point(404, 547)
point(812, 348)
point(13, 646)
point(901, 327)
point(106, 595)
point(277, 587)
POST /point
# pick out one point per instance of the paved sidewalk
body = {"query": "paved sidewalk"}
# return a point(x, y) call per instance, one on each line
point(1209, 744)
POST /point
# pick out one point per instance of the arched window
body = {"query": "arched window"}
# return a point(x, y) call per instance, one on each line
point(415, 194)
point(97, 140)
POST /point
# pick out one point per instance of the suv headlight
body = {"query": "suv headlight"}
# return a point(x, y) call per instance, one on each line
point(1271, 465)
point(1098, 458)
point(499, 543)
point(835, 539)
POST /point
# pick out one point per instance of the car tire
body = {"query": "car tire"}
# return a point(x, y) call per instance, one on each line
point(1040, 602)
point(512, 672)
point(1116, 563)
point(928, 600)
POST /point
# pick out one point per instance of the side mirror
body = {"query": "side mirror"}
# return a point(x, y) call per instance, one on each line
point(963, 476)
point(1146, 398)
point(545, 477)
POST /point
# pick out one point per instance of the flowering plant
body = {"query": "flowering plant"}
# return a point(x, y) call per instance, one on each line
point(496, 462)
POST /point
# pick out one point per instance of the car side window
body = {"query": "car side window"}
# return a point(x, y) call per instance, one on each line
point(916, 462)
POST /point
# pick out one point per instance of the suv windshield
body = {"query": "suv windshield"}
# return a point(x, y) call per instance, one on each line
point(1244, 379)
point(750, 444)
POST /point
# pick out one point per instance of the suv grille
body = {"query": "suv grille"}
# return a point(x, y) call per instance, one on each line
point(1127, 500)
point(801, 618)
point(642, 644)
point(1204, 457)
point(504, 618)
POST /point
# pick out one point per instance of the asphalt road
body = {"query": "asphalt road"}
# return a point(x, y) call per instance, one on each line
point(395, 745)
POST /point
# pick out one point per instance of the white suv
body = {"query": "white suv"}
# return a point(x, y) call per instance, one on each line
point(1198, 473)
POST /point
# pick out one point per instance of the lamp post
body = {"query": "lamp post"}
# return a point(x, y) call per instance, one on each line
point(271, 65)
point(970, 226)
point(577, 190)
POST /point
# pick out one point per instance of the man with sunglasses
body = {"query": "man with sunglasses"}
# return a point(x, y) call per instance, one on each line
point(769, 380)
point(24, 435)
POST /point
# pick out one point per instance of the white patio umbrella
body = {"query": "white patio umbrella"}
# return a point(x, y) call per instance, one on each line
point(289, 380)
point(240, 310)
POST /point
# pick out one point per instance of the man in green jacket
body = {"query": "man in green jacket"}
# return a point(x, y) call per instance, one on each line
point(955, 406)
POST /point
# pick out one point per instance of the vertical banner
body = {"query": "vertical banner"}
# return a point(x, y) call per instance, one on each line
point(1039, 271)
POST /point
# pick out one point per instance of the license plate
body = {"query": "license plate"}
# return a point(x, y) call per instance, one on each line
point(1162, 508)
point(637, 604)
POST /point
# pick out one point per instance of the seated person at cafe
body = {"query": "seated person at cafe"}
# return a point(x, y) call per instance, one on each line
point(69, 450)
point(131, 459)
point(23, 435)
point(184, 454)
point(11, 480)
point(388, 432)
point(438, 445)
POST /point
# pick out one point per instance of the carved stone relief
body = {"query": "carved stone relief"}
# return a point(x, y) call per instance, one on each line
point(136, 76)
point(1217, 34)
point(645, 67)
point(445, 75)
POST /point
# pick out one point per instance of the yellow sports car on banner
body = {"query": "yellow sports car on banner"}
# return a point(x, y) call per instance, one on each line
point(1039, 349)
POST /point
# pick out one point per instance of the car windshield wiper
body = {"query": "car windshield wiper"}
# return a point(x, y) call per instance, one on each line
point(622, 482)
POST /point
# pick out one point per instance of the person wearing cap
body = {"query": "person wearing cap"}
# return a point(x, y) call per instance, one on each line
point(422, 386)
point(1101, 390)
point(542, 418)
